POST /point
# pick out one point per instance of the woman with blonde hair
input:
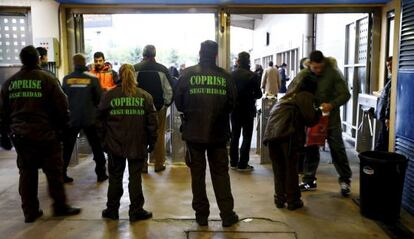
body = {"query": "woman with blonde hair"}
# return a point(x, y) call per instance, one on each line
point(129, 124)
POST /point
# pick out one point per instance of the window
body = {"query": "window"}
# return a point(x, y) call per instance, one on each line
point(291, 58)
point(266, 60)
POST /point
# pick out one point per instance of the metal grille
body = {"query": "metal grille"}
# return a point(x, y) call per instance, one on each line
point(362, 53)
point(14, 35)
point(405, 147)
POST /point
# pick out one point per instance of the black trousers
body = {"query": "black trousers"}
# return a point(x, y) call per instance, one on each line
point(116, 168)
point(382, 141)
point(32, 155)
point(239, 122)
point(284, 157)
point(95, 143)
point(219, 170)
point(338, 154)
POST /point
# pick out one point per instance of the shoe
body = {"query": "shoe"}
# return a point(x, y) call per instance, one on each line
point(67, 179)
point(345, 189)
point(295, 205)
point(34, 217)
point(67, 211)
point(143, 215)
point(308, 186)
point(233, 167)
point(114, 215)
point(202, 221)
point(160, 169)
point(230, 221)
point(248, 168)
point(280, 203)
point(102, 178)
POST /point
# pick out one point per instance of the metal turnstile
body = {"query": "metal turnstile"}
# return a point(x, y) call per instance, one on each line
point(367, 127)
point(267, 104)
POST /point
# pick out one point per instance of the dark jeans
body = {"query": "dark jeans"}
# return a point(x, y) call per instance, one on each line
point(284, 156)
point(382, 142)
point(219, 170)
point(116, 168)
point(32, 155)
point(94, 142)
point(239, 122)
point(339, 158)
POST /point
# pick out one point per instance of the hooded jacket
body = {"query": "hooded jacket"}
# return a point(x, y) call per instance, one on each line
point(206, 95)
point(107, 77)
point(332, 88)
point(33, 105)
point(129, 123)
point(84, 94)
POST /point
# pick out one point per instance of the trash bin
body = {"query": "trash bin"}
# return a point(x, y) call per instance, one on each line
point(381, 184)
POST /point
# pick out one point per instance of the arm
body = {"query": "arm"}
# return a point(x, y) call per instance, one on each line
point(257, 92)
point(179, 94)
point(341, 91)
point(58, 105)
point(231, 94)
point(5, 142)
point(264, 80)
point(166, 88)
point(305, 102)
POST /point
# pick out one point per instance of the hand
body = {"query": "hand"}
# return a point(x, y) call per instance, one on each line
point(150, 148)
point(326, 107)
point(387, 124)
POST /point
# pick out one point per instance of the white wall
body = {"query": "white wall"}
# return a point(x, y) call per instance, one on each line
point(286, 32)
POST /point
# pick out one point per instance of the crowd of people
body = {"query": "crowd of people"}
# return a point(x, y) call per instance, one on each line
point(124, 117)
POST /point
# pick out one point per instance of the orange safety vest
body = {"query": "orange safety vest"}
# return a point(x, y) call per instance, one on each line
point(105, 77)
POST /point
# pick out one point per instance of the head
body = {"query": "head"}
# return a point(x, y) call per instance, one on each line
point(243, 59)
point(149, 51)
point(42, 55)
point(208, 50)
point(271, 63)
point(127, 77)
point(388, 63)
point(309, 84)
point(283, 65)
point(99, 60)
point(316, 62)
point(79, 60)
point(29, 56)
point(173, 71)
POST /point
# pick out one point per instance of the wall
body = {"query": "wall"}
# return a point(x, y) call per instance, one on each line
point(44, 16)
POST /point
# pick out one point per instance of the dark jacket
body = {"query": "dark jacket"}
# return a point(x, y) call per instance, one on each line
point(332, 88)
point(283, 80)
point(156, 80)
point(248, 90)
point(84, 94)
point(129, 123)
point(383, 104)
point(290, 115)
point(33, 106)
point(206, 95)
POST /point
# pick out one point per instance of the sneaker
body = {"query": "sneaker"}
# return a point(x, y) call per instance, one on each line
point(143, 215)
point(230, 221)
point(67, 179)
point(248, 168)
point(202, 221)
point(114, 215)
point(67, 211)
point(102, 178)
point(34, 217)
point(345, 189)
point(295, 205)
point(280, 203)
point(307, 186)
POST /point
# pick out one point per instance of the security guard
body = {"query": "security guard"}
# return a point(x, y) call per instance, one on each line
point(130, 125)
point(84, 94)
point(206, 96)
point(35, 112)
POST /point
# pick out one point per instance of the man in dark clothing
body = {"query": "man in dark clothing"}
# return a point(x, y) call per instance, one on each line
point(283, 78)
point(84, 93)
point(156, 80)
point(206, 96)
point(383, 112)
point(331, 93)
point(44, 60)
point(248, 90)
point(34, 112)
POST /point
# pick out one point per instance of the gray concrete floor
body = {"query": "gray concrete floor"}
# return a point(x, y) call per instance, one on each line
point(168, 195)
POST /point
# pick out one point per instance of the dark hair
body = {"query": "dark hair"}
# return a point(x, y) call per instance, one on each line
point(29, 56)
point(309, 84)
point(316, 56)
point(42, 51)
point(244, 59)
point(79, 59)
point(389, 59)
point(283, 64)
point(301, 63)
point(99, 54)
point(149, 51)
point(208, 49)
point(270, 63)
